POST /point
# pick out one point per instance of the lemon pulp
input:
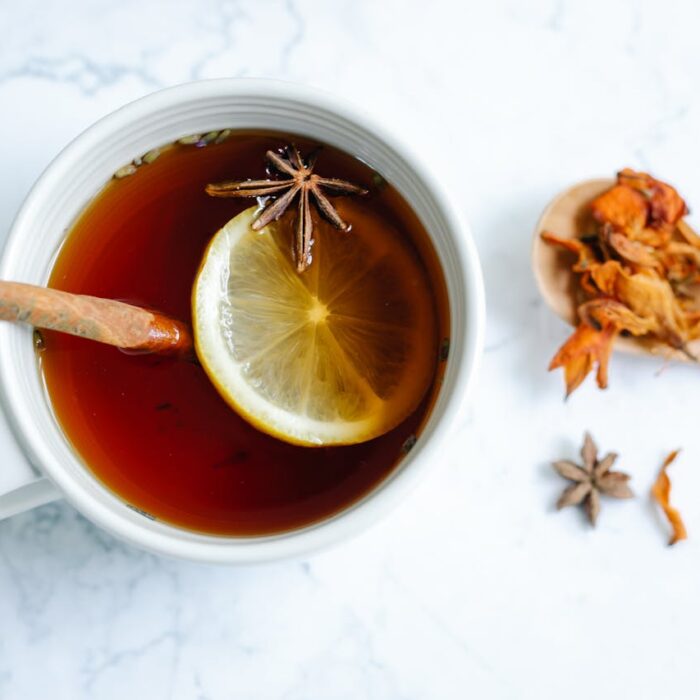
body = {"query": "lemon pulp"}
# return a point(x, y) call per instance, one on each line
point(339, 354)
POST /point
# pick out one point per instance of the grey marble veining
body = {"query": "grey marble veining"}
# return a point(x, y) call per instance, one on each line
point(474, 587)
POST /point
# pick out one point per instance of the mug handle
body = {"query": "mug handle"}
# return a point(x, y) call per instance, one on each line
point(21, 486)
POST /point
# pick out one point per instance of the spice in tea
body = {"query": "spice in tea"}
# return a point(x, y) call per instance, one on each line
point(154, 429)
point(301, 182)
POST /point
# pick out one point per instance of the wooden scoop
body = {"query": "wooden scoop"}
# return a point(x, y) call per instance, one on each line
point(568, 216)
point(104, 320)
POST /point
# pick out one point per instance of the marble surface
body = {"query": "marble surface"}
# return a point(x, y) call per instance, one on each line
point(475, 586)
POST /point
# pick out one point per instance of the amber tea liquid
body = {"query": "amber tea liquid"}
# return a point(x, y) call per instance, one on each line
point(153, 429)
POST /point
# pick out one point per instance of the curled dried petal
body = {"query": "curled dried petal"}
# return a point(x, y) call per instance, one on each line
point(576, 370)
point(604, 276)
point(603, 312)
point(647, 296)
point(688, 234)
point(661, 491)
point(632, 251)
point(681, 261)
point(586, 282)
point(653, 298)
point(586, 256)
point(579, 354)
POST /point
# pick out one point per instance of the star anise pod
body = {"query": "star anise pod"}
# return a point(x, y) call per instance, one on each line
point(302, 181)
point(591, 479)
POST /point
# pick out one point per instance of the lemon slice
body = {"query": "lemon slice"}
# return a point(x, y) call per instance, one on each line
point(337, 355)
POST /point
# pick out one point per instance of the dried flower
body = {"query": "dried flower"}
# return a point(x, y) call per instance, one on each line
point(661, 492)
point(635, 271)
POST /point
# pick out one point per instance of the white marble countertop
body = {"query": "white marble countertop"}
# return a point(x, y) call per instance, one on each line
point(475, 587)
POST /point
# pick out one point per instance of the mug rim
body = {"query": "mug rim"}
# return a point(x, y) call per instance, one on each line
point(179, 541)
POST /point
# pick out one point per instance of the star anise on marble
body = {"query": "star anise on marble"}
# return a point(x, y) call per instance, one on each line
point(301, 181)
point(591, 480)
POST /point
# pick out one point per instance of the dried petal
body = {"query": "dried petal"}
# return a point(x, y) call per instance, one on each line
point(624, 208)
point(649, 297)
point(570, 471)
point(666, 206)
point(574, 494)
point(688, 234)
point(614, 484)
point(694, 329)
point(682, 263)
point(592, 506)
point(687, 249)
point(586, 283)
point(605, 276)
point(632, 251)
point(576, 369)
point(604, 312)
point(661, 491)
point(652, 298)
point(586, 255)
point(584, 348)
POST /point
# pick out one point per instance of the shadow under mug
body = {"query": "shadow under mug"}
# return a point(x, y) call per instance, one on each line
point(39, 464)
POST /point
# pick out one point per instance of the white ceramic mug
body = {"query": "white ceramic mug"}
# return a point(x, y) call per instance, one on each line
point(44, 467)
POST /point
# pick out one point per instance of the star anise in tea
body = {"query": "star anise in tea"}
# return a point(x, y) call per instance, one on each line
point(303, 182)
point(591, 479)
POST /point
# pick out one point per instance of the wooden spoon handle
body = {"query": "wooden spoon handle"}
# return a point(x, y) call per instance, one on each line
point(104, 320)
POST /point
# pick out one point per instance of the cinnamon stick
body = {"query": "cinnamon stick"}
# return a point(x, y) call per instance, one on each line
point(103, 320)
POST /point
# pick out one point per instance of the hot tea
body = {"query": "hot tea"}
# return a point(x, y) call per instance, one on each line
point(154, 429)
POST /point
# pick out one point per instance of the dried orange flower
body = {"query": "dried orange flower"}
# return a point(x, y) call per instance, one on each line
point(636, 270)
